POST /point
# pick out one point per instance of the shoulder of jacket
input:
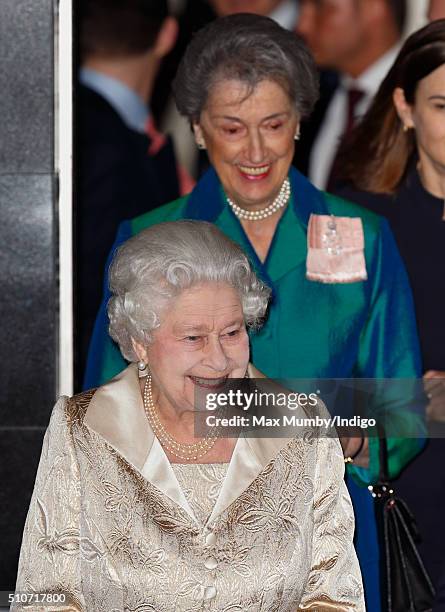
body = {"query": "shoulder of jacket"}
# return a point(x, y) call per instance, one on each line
point(77, 406)
point(167, 212)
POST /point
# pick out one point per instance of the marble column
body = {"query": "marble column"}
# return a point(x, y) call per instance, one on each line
point(28, 259)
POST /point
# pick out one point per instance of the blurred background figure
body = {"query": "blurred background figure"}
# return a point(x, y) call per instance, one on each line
point(358, 39)
point(394, 164)
point(124, 165)
point(284, 12)
point(436, 9)
point(191, 16)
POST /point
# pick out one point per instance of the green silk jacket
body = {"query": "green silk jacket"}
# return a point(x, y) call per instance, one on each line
point(320, 330)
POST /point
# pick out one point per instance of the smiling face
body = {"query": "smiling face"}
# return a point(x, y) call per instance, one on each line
point(202, 341)
point(428, 116)
point(249, 140)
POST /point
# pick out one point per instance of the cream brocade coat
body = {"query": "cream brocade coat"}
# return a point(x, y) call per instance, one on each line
point(109, 524)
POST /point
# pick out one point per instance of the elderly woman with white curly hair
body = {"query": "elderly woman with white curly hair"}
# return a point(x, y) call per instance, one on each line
point(131, 511)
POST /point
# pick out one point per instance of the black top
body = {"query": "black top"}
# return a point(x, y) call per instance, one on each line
point(415, 217)
point(116, 180)
point(310, 126)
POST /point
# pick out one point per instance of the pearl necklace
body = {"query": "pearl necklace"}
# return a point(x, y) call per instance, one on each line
point(256, 215)
point(187, 452)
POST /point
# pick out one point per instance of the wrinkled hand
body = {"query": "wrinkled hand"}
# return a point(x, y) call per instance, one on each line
point(434, 385)
point(350, 446)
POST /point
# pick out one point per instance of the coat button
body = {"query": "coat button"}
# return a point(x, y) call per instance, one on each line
point(209, 592)
point(210, 563)
point(210, 539)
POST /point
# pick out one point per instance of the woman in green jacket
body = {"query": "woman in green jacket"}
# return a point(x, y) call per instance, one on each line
point(341, 305)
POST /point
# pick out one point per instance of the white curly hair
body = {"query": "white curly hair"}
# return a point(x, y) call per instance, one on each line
point(154, 266)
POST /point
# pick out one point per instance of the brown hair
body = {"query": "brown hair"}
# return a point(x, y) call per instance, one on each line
point(117, 28)
point(376, 155)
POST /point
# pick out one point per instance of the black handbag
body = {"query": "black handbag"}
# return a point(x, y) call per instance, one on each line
point(405, 584)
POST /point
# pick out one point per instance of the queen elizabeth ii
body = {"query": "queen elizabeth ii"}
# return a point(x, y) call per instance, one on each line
point(132, 511)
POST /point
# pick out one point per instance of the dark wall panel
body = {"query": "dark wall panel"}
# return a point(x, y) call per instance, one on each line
point(26, 86)
point(28, 263)
point(22, 448)
point(27, 298)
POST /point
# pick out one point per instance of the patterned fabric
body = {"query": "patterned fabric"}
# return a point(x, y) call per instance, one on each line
point(365, 329)
point(279, 537)
point(313, 330)
point(201, 484)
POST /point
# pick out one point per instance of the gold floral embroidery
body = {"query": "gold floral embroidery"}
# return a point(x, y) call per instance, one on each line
point(98, 530)
point(275, 513)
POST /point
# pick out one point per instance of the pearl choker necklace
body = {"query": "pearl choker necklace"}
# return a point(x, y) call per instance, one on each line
point(255, 215)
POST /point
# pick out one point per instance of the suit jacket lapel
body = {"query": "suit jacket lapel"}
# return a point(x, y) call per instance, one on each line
point(288, 249)
point(250, 457)
point(116, 413)
point(159, 472)
point(206, 201)
point(289, 245)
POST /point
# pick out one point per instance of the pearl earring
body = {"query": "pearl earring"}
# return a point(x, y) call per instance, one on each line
point(297, 134)
point(143, 369)
point(142, 366)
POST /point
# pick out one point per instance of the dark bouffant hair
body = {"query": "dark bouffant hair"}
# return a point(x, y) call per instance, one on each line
point(249, 48)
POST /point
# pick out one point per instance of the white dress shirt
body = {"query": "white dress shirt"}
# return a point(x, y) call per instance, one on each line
point(332, 129)
point(130, 107)
point(286, 14)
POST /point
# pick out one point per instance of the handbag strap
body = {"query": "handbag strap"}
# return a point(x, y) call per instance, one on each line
point(383, 456)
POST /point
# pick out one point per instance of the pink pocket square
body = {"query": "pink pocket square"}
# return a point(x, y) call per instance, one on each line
point(335, 249)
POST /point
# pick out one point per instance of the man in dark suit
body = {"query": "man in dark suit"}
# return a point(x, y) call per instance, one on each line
point(358, 40)
point(124, 167)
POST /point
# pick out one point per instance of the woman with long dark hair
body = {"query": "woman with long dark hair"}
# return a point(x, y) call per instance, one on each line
point(394, 164)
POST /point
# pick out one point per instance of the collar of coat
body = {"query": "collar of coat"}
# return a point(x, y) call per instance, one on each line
point(116, 413)
point(207, 199)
